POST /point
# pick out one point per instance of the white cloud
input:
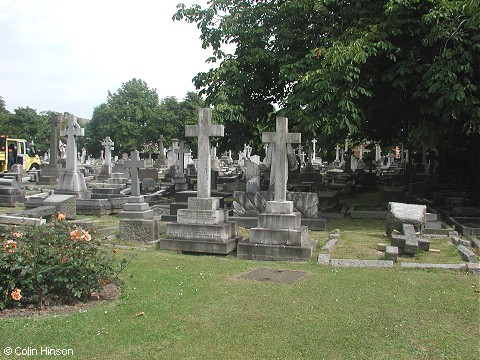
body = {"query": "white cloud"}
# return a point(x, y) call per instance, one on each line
point(66, 55)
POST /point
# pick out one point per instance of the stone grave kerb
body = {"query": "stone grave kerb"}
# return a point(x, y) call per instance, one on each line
point(108, 145)
point(71, 131)
point(281, 137)
point(204, 131)
point(135, 164)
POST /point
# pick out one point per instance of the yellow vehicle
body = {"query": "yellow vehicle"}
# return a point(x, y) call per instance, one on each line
point(16, 151)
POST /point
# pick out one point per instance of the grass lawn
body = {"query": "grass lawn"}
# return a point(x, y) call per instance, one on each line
point(178, 306)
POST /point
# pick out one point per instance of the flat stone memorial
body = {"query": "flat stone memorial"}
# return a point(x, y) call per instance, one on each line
point(279, 234)
point(202, 227)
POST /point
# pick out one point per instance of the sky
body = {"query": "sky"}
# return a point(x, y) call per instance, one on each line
point(65, 55)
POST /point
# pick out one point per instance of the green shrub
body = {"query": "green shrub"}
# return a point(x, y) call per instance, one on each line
point(53, 262)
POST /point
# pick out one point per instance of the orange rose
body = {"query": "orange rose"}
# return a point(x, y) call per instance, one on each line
point(60, 217)
point(17, 234)
point(9, 246)
point(15, 295)
point(115, 251)
point(86, 236)
point(75, 235)
point(64, 259)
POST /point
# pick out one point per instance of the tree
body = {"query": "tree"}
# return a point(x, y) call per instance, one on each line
point(124, 117)
point(134, 116)
point(393, 71)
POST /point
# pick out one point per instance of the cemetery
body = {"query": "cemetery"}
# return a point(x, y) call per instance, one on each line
point(270, 224)
point(316, 197)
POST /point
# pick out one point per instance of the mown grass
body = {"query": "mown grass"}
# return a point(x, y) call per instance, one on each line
point(178, 306)
point(195, 307)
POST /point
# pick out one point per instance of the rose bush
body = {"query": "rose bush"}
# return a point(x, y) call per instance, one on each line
point(54, 262)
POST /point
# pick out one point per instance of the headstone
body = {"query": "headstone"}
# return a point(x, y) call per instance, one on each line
point(252, 176)
point(106, 169)
point(161, 160)
point(51, 170)
point(71, 181)
point(179, 179)
point(203, 227)
point(136, 218)
point(279, 235)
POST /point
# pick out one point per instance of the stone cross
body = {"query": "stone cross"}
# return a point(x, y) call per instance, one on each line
point(108, 144)
point(134, 165)
point(180, 164)
point(71, 131)
point(337, 153)
point(204, 131)
point(314, 142)
point(281, 138)
point(248, 151)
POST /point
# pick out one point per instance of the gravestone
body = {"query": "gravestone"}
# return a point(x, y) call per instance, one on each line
point(161, 160)
point(52, 170)
point(71, 181)
point(136, 218)
point(106, 170)
point(179, 179)
point(203, 227)
point(279, 235)
point(252, 176)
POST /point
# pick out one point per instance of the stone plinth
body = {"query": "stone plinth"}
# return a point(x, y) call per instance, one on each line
point(72, 183)
point(138, 230)
point(136, 221)
point(203, 227)
point(64, 204)
point(278, 236)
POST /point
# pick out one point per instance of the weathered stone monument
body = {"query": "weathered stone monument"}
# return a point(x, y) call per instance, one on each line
point(136, 218)
point(71, 181)
point(203, 227)
point(179, 179)
point(279, 235)
point(106, 170)
point(51, 170)
point(161, 160)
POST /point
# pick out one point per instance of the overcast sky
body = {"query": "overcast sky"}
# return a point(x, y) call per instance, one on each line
point(65, 55)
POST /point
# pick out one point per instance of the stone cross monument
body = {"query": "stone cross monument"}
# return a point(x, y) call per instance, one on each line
point(71, 181)
point(279, 234)
point(136, 218)
point(106, 170)
point(204, 131)
point(281, 138)
point(134, 165)
point(108, 145)
point(203, 227)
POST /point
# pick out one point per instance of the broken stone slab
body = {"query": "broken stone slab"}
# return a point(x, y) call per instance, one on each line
point(361, 263)
point(20, 220)
point(411, 265)
point(323, 259)
point(467, 254)
point(400, 213)
point(391, 253)
point(329, 245)
point(476, 242)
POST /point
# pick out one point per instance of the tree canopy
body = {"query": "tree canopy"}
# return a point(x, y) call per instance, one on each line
point(390, 71)
point(134, 116)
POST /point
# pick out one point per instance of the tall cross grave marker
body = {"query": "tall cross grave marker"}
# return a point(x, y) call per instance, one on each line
point(204, 131)
point(281, 138)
